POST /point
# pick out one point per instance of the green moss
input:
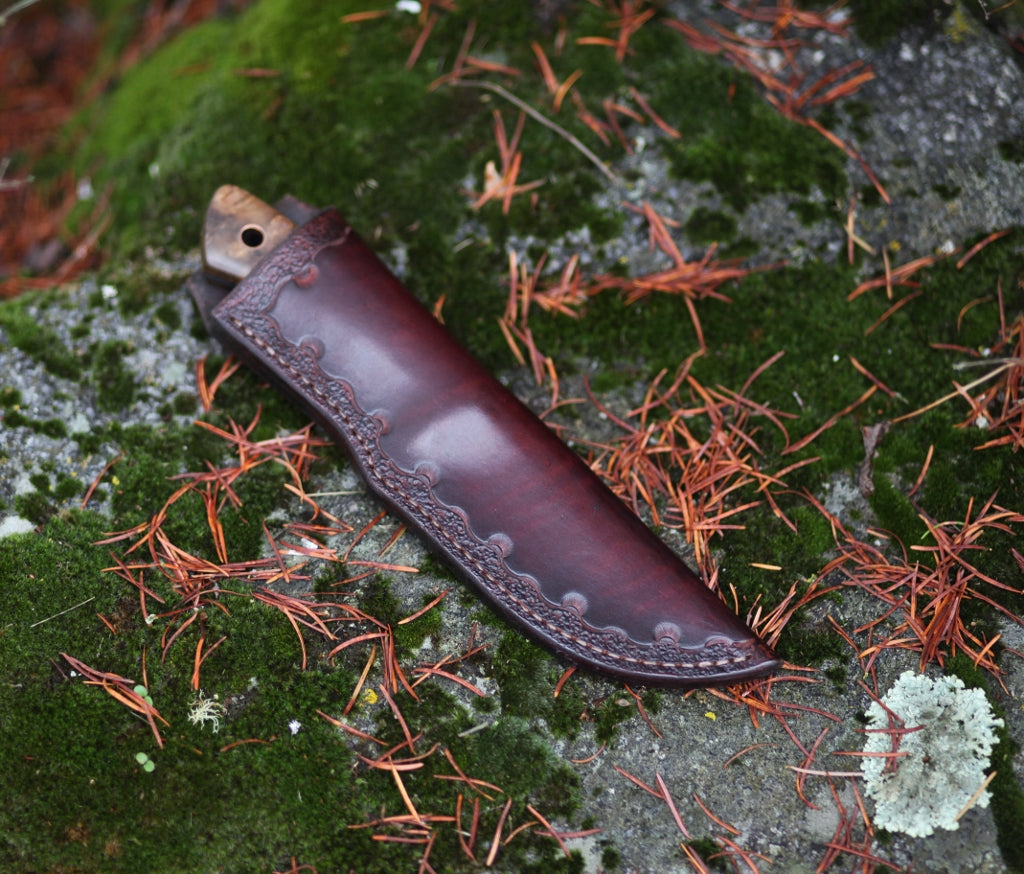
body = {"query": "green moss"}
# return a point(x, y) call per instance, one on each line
point(140, 480)
point(283, 126)
point(51, 428)
point(47, 573)
point(611, 858)
point(114, 383)
point(411, 635)
point(37, 507)
point(37, 341)
point(611, 713)
point(710, 852)
point(136, 288)
point(708, 226)
point(741, 248)
point(498, 754)
point(947, 192)
point(286, 783)
point(857, 113)
point(879, 20)
point(10, 398)
point(165, 168)
point(15, 418)
point(567, 713)
point(1012, 150)
point(379, 601)
point(810, 643)
point(763, 540)
point(67, 487)
point(526, 677)
point(652, 700)
point(611, 379)
point(495, 753)
point(168, 315)
point(434, 567)
point(725, 115)
point(896, 514)
point(484, 705)
point(838, 677)
point(296, 783)
point(869, 196)
point(520, 667)
point(184, 403)
point(810, 212)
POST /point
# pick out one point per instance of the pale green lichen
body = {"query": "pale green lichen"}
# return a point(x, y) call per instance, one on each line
point(940, 748)
point(207, 710)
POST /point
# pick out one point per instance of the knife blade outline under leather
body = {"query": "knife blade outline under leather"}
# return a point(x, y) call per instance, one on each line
point(453, 453)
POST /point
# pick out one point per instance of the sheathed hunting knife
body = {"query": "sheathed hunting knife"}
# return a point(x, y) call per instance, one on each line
point(297, 295)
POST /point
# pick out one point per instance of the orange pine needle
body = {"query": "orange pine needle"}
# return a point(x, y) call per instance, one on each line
point(860, 368)
point(201, 657)
point(894, 308)
point(563, 90)
point(546, 72)
point(492, 854)
point(977, 247)
point(421, 41)
point(800, 444)
point(716, 820)
point(357, 17)
point(673, 810)
point(663, 125)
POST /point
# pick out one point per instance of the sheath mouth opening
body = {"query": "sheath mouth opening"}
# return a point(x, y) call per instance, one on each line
point(252, 236)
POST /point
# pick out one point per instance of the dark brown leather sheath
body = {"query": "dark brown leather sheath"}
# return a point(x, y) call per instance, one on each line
point(464, 463)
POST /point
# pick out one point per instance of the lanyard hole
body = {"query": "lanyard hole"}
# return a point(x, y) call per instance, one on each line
point(252, 236)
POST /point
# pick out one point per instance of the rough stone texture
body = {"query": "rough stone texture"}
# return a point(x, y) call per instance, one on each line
point(160, 361)
point(939, 105)
point(938, 127)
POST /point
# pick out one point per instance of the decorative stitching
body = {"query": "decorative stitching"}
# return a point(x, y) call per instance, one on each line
point(335, 398)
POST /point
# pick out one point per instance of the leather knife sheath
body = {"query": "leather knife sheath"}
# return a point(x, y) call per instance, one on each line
point(454, 454)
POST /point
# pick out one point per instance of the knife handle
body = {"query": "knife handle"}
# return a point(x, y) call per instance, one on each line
point(446, 447)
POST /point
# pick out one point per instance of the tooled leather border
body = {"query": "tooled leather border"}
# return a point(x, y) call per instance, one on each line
point(609, 649)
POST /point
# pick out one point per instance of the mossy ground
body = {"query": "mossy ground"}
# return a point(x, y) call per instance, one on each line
point(76, 795)
point(339, 119)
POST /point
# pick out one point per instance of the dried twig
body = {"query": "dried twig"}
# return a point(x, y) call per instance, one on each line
point(536, 115)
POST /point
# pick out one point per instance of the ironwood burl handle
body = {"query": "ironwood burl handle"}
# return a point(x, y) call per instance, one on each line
point(453, 453)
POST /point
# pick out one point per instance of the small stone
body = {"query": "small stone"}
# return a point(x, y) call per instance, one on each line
point(15, 525)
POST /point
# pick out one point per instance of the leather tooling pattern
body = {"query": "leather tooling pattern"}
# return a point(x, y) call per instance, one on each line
point(449, 528)
point(246, 313)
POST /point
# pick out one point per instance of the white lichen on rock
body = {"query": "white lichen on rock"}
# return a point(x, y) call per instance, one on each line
point(946, 738)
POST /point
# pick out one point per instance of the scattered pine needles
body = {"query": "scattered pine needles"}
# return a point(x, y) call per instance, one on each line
point(996, 398)
point(689, 451)
point(785, 84)
point(924, 587)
